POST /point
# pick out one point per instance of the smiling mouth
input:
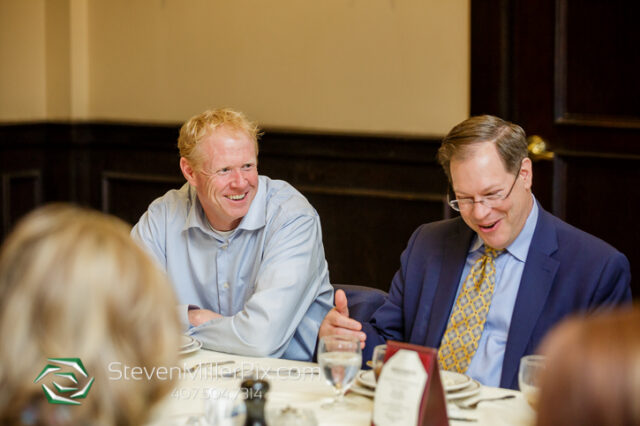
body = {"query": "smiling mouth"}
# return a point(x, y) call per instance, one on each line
point(490, 227)
point(238, 197)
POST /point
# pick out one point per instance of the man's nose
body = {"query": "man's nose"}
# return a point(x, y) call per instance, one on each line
point(479, 210)
point(237, 179)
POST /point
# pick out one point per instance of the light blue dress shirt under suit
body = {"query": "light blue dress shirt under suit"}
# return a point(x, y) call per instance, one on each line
point(486, 364)
point(268, 277)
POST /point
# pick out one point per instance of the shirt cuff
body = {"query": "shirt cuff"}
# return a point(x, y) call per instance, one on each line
point(183, 315)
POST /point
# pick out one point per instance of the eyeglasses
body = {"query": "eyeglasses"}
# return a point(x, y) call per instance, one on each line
point(489, 201)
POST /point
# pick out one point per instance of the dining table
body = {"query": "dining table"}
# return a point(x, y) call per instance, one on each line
point(204, 378)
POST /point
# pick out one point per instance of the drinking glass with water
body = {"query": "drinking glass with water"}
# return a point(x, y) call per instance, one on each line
point(340, 358)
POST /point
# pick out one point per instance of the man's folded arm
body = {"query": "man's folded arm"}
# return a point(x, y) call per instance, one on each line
point(293, 272)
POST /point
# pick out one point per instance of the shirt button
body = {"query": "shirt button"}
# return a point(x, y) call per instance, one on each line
point(225, 285)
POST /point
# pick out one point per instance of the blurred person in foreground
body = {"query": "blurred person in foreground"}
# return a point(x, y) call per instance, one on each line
point(74, 285)
point(243, 252)
point(486, 287)
point(592, 374)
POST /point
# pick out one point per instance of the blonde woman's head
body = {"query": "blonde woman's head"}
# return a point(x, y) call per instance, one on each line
point(74, 284)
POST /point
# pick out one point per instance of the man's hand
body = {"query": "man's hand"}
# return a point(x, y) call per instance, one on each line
point(200, 316)
point(337, 320)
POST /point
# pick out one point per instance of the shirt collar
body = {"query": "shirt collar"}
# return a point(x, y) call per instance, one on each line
point(254, 219)
point(520, 246)
point(195, 217)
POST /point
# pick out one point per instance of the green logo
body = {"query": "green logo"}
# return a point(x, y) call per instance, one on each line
point(72, 389)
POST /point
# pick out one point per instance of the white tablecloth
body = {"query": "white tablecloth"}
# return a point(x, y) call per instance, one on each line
point(195, 390)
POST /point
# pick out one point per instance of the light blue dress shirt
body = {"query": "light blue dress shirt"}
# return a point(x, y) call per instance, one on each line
point(486, 364)
point(268, 277)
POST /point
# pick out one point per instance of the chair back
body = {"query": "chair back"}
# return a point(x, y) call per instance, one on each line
point(362, 301)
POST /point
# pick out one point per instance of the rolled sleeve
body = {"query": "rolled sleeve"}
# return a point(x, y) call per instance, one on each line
point(293, 274)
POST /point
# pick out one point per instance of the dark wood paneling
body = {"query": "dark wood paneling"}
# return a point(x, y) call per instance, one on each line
point(371, 192)
point(571, 77)
point(591, 91)
point(127, 195)
point(491, 58)
point(21, 192)
point(600, 193)
point(364, 235)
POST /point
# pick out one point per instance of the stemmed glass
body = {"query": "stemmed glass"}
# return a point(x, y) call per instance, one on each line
point(340, 358)
point(377, 360)
point(531, 368)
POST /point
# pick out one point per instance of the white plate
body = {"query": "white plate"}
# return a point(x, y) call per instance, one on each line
point(362, 390)
point(186, 341)
point(366, 378)
point(452, 381)
point(472, 389)
point(195, 346)
point(456, 385)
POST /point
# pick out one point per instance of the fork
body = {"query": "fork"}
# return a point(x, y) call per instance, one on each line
point(474, 404)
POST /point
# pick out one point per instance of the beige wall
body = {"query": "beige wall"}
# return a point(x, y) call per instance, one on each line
point(365, 66)
point(22, 60)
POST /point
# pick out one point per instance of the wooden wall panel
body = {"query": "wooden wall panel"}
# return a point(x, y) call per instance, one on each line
point(364, 235)
point(601, 199)
point(591, 91)
point(127, 195)
point(21, 192)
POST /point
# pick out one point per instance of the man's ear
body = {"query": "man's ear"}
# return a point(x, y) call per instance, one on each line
point(526, 171)
point(188, 172)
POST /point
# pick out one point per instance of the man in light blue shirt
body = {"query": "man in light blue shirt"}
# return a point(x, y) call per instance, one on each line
point(244, 252)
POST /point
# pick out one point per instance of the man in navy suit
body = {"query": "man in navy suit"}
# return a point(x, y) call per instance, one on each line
point(546, 269)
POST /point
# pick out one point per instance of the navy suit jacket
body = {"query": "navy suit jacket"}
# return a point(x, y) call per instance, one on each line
point(567, 271)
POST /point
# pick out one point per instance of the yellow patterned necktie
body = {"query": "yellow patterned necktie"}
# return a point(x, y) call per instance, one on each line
point(469, 314)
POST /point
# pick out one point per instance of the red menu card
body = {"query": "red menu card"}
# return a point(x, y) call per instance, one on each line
point(409, 390)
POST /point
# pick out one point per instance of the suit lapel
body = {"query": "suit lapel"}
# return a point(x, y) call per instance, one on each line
point(537, 278)
point(454, 257)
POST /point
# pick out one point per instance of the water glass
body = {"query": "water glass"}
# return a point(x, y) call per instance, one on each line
point(340, 358)
point(529, 375)
point(377, 360)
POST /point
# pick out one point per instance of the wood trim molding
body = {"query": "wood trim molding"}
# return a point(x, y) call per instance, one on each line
point(110, 176)
point(373, 193)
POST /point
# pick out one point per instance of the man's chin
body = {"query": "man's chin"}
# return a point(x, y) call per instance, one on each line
point(236, 216)
point(493, 241)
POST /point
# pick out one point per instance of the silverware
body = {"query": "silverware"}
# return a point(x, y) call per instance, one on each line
point(212, 363)
point(463, 419)
point(474, 404)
